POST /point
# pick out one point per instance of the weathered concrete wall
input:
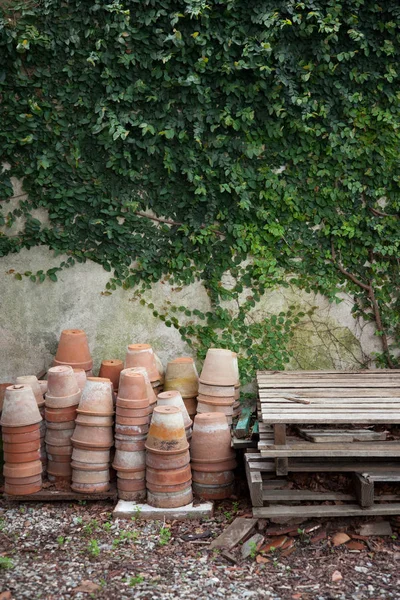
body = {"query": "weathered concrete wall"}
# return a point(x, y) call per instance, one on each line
point(33, 315)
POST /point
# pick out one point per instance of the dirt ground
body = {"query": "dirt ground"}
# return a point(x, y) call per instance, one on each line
point(61, 551)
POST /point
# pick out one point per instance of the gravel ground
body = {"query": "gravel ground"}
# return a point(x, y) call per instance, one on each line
point(62, 551)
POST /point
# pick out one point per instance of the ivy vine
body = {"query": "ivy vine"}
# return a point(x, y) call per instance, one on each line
point(187, 139)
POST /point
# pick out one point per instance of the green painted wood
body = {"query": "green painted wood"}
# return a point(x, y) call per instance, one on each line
point(243, 424)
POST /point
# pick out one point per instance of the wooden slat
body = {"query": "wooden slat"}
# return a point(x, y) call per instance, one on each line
point(272, 399)
point(342, 392)
point(331, 372)
point(334, 383)
point(257, 462)
point(315, 511)
point(243, 424)
point(328, 418)
point(308, 449)
point(341, 435)
point(304, 495)
point(342, 407)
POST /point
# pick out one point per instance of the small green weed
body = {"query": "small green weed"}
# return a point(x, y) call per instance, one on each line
point(91, 527)
point(137, 514)
point(93, 548)
point(135, 580)
point(61, 540)
point(6, 563)
point(165, 536)
point(253, 549)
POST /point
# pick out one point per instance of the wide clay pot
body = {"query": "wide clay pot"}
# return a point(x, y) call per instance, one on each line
point(33, 382)
point(181, 374)
point(137, 444)
point(97, 398)
point(59, 437)
point(167, 431)
point(59, 458)
point(137, 475)
point(22, 469)
point(43, 386)
point(131, 485)
point(3, 387)
point(164, 477)
point(90, 456)
point(204, 407)
point(236, 368)
point(191, 406)
point(80, 377)
point(20, 408)
point(126, 431)
point(149, 388)
point(21, 457)
point(79, 476)
point(170, 489)
point(73, 350)
point(213, 492)
point(220, 400)
point(217, 478)
point(62, 382)
point(133, 386)
point(59, 469)
point(94, 421)
point(237, 409)
point(60, 415)
point(132, 412)
point(21, 438)
point(170, 500)
point(132, 420)
point(18, 448)
point(60, 426)
point(217, 391)
point(22, 490)
point(132, 404)
point(111, 369)
point(207, 466)
point(142, 355)
point(168, 461)
point(138, 497)
point(90, 488)
point(173, 398)
point(24, 480)
point(129, 461)
point(59, 450)
point(218, 368)
point(211, 439)
point(92, 437)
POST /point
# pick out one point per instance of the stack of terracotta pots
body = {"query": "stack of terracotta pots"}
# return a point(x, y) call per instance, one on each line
point(213, 459)
point(73, 350)
point(142, 355)
point(111, 369)
point(237, 407)
point(168, 473)
point(33, 382)
point(181, 375)
point(217, 383)
point(131, 427)
point(93, 437)
point(173, 398)
point(62, 399)
point(20, 421)
point(149, 388)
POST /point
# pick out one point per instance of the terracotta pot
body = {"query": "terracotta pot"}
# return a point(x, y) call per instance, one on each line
point(22, 457)
point(131, 485)
point(181, 374)
point(92, 437)
point(170, 500)
point(60, 426)
point(111, 369)
point(137, 475)
point(79, 476)
point(59, 450)
point(136, 404)
point(236, 368)
point(191, 406)
point(132, 412)
point(237, 392)
point(59, 458)
point(134, 446)
point(64, 482)
point(173, 398)
point(97, 397)
point(220, 400)
point(18, 448)
point(3, 387)
point(142, 355)
point(21, 430)
point(21, 438)
point(204, 407)
point(94, 421)
point(167, 431)
point(62, 382)
point(139, 497)
point(90, 488)
point(22, 469)
point(217, 478)
point(149, 389)
point(80, 377)
point(133, 420)
point(43, 386)
point(168, 489)
point(91, 456)
point(133, 386)
point(168, 477)
point(160, 368)
point(167, 462)
point(213, 492)
point(59, 437)
point(129, 461)
point(217, 391)
point(24, 480)
point(218, 368)
point(59, 468)
point(73, 350)
point(237, 409)
point(33, 382)
point(211, 437)
point(23, 490)
point(19, 408)
point(130, 430)
point(214, 467)
point(60, 415)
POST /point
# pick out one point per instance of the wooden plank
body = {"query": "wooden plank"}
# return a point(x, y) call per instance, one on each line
point(385, 477)
point(315, 511)
point(62, 496)
point(318, 373)
point(234, 533)
point(309, 449)
point(364, 488)
point(242, 428)
point(281, 464)
point(341, 435)
point(256, 430)
point(243, 444)
point(331, 406)
point(328, 418)
point(304, 495)
point(340, 383)
point(333, 393)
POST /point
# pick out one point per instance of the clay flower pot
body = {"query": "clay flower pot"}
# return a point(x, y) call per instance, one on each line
point(133, 386)
point(23, 469)
point(21, 438)
point(97, 476)
point(130, 485)
point(62, 382)
point(92, 437)
point(236, 368)
point(59, 450)
point(167, 431)
point(142, 355)
point(60, 415)
point(43, 386)
point(90, 457)
point(173, 398)
point(217, 391)
point(164, 477)
point(3, 387)
point(219, 478)
point(23, 490)
point(94, 421)
point(168, 461)
point(133, 421)
point(181, 375)
point(111, 369)
point(132, 412)
point(59, 426)
point(73, 350)
point(22, 457)
point(97, 398)
point(213, 492)
point(90, 488)
point(211, 439)
point(80, 376)
point(170, 500)
point(33, 382)
point(20, 408)
point(128, 431)
point(191, 406)
point(149, 388)
point(59, 469)
point(24, 447)
point(136, 445)
point(218, 368)
point(23, 429)
point(59, 437)
point(129, 461)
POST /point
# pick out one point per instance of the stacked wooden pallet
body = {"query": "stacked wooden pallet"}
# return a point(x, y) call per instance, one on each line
point(331, 416)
